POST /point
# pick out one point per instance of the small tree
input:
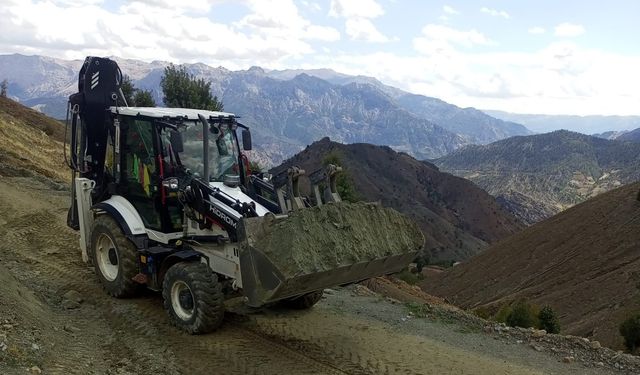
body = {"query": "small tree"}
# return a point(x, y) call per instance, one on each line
point(182, 89)
point(522, 315)
point(548, 320)
point(127, 89)
point(422, 260)
point(344, 183)
point(630, 331)
point(136, 97)
point(143, 98)
point(4, 86)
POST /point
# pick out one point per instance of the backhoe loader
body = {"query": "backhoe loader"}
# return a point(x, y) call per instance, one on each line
point(163, 198)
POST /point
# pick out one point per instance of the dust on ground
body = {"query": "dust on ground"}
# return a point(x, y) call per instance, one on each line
point(55, 319)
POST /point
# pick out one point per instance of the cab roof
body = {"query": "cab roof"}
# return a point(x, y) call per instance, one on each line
point(161, 112)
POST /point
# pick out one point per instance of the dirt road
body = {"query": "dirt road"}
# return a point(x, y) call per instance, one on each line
point(55, 319)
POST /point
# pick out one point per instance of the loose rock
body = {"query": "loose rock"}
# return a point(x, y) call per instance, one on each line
point(73, 295)
point(69, 304)
point(538, 333)
point(537, 348)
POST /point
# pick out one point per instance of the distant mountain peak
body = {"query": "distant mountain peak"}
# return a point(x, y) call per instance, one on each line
point(539, 175)
point(287, 109)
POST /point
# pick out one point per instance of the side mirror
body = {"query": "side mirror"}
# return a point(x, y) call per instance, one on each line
point(246, 140)
point(176, 141)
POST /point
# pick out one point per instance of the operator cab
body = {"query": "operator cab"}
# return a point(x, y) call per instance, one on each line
point(165, 147)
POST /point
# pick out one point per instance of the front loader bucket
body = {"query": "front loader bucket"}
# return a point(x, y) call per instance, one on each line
point(320, 247)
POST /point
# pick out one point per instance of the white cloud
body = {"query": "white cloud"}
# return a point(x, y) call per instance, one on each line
point(281, 19)
point(449, 10)
point(355, 9)
point(358, 15)
point(536, 30)
point(562, 78)
point(156, 30)
point(363, 29)
point(569, 30)
point(439, 37)
point(313, 6)
point(495, 13)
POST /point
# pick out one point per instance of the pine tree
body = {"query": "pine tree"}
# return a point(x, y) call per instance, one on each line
point(143, 98)
point(136, 97)
point(548, 320)
point(127, 90)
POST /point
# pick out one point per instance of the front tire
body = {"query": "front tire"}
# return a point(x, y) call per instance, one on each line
point(114, 257)
point(303, 302)
point(193, 297)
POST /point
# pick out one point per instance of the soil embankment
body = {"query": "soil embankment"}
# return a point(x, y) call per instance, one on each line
point(583, 262)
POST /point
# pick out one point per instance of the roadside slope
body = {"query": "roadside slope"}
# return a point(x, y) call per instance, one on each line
point(583, 262)
point(30, 143)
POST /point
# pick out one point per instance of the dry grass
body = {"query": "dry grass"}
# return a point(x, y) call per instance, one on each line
point(25, 148)
point(33, 119)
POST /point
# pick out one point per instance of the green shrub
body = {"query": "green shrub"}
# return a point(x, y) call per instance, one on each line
point(548, 320)
point(422, 260)
point(522, 315)
point(482, 312)
point(503, 314)
point(409, 277)
point(630, 331)
point(344, 182)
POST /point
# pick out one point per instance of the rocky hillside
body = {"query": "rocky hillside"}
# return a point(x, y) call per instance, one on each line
point(632, 135)
point(538, 176)
point(472, 124)
point(477, 126)
point(287, 109)
point(457, 218)
point(306, 108)
point(583, 263)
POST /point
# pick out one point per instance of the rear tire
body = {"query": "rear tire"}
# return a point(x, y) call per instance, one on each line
point(114, 257)
point(303, 302)
point(193, 297)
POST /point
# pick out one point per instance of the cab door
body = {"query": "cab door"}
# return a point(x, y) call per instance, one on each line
point(140, 175)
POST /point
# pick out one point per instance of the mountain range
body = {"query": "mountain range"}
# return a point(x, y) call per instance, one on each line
point(457, 218)
point(581, 124)
point(286, 109)
point(538, 176)
point(623, 135)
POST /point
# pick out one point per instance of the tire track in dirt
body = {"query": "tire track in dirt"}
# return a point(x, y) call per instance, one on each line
point(40, 241)
point(311, 338)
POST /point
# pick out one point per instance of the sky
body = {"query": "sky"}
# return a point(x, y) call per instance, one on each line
point(548, 57)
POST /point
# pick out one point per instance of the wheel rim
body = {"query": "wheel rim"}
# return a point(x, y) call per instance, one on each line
point(107, 257)
point(182, 300)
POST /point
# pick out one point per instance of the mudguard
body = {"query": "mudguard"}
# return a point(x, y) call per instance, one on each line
point(124, 213)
